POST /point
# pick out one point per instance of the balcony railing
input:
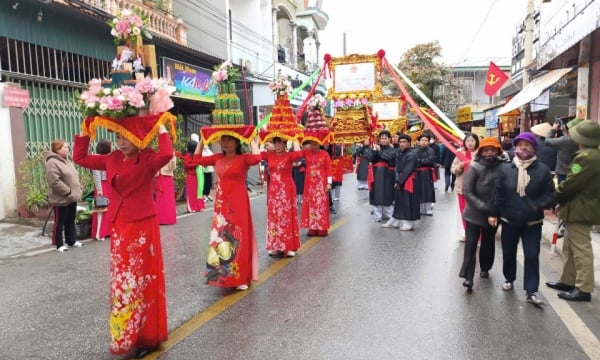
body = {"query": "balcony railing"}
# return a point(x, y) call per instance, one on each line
point(160, 22)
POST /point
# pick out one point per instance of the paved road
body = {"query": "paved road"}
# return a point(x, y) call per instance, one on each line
point(361, 293)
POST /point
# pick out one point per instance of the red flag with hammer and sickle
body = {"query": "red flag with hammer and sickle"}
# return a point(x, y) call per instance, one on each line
point(495, 79)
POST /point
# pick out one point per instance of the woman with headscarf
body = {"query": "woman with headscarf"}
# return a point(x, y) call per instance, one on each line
point(524, 189)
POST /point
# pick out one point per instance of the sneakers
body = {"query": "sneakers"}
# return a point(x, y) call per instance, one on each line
point(290, 254)
point(507, 286)
point(77, 244)
point(242, 287)
point(406, 228)
point(532, 298)
point(275, 253)
point(62, 248)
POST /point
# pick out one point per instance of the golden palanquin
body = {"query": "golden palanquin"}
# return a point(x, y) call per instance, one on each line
point(351, 126)
point(354, 88)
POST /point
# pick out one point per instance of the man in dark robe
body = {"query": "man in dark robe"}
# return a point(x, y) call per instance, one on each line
point(362, 165)
point(383, 159)
point(406, 203)
point(425, 176)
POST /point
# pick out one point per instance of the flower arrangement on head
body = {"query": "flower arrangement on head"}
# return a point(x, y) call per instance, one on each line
point(227, 118)
point(316, 127)
point(151, 94)
point(123, 109)
point(317, 102)
point(128, 26)
point(225, 73)
point(281, 85)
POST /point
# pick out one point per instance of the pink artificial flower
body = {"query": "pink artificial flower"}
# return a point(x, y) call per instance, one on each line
point(122, 27)
point(160, 101)
point(144, 86)
point(136, 100)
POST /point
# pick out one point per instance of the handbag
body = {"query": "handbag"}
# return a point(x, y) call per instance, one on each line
point(101, 202)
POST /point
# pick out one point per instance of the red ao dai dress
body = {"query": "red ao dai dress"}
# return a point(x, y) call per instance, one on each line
point(315, 201)
point(232, 252)
point(283, 233)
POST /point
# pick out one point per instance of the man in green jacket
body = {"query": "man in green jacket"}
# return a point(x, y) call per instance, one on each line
point(579, 200)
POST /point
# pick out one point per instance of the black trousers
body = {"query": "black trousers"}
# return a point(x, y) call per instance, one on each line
point(530, 236)
point(64, 221)
point(207, 184)
point(487, 250)
point(449, 178)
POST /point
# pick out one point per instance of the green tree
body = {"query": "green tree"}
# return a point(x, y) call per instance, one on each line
point(420, 64)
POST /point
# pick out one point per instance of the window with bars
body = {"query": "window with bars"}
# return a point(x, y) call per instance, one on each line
point(23, 60)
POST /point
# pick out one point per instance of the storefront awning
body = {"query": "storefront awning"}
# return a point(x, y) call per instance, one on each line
point(533, 89)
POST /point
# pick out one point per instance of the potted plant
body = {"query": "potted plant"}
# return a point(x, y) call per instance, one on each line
point(36, 201)
point(32, 187)
point(83, 224)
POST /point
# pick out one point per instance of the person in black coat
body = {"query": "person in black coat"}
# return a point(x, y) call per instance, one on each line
point(447, 157)
point(524, 188)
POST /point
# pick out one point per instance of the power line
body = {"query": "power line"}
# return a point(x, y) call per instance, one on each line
point(479, 29)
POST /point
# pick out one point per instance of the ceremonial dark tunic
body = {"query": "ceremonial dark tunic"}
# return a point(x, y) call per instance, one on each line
point(425, 174)
point(299, 174)
point(362, 168)
point(383, 161)
point(406, 206)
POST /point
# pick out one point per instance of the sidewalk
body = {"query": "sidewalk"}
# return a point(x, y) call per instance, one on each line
point(23, 237)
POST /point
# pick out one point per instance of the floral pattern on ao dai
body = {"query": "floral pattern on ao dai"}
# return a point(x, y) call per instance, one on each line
point(315, 202)
point(232, 253)
point(283, 233)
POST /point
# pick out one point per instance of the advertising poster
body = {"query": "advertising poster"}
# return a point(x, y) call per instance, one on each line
point(191, 82)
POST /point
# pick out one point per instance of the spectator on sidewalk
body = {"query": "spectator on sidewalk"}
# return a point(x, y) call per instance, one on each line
point(565, 145)
point(64, 190)
point(100, 228)
point(524, 188)
point(579, 206)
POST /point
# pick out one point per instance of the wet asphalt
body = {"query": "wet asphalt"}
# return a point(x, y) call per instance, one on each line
point(363, 292)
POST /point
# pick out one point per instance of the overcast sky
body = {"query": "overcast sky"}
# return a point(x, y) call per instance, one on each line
point(458, 25)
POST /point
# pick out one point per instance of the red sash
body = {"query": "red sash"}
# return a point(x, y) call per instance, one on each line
point(425, 168)
point(409, 184)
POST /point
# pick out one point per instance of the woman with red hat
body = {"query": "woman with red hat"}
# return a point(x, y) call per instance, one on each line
point(478, 189)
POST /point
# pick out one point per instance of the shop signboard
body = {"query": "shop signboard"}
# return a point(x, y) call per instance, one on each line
point(463, 114)
point(564, 24)
point(14, 96)
point(191, 82)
